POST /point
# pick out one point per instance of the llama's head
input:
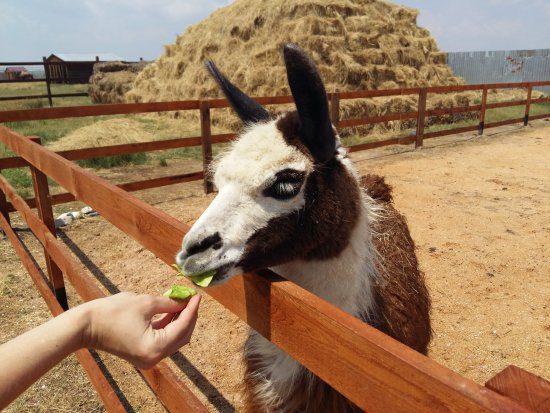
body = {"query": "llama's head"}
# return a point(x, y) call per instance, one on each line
point(284, 192)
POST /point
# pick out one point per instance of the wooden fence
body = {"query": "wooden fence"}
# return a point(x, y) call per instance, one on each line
point(376, 372)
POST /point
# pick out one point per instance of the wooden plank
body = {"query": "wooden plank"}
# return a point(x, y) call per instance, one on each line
point(103, 388)
point(335, 109)
point(58, 95)
point(370, 368)
point(95, 110)
point(21, 81)
point(262, 100)
point(162, 181)
point(223, 137)
point(7, 98)
point(497, 105)
point(4, 206)
point(483, 110)
point(453, 88)
point(21, 63)
point(503, 123)
point(123, 149)
point(171, 391)
point(452, 131)
point(372, 145)
point(528, 105)
point(206, 145)
point(175, 396)
point(421, 119)
point(45, 213)
point(541, 116)
point(525, 388)
point(48, 81)
point(130, 187)
point(540, 100)
point(361, 94)
point(346, 123)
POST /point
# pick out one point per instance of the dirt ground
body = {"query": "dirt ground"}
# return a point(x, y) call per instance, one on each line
point(478, 210)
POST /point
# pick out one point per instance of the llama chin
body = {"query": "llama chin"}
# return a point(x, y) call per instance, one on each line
point(290, 200)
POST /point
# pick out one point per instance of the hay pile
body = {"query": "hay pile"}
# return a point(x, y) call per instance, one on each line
point(104, 133)
point(111, 80)
point(357, 44)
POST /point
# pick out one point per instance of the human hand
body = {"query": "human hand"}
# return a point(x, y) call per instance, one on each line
point(122, 325)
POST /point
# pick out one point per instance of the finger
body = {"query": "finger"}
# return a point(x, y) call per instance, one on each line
point(180, 329)
point(158, 304)
point(163, 321)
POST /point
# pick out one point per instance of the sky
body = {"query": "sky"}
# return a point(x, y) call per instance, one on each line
point(30, 29)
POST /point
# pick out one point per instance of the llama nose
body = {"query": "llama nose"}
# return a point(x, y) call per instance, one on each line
point(213, 241)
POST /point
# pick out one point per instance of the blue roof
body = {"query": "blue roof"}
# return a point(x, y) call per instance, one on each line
point(87, 57)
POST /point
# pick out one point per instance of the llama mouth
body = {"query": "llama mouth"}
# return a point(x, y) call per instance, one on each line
point(222, 274)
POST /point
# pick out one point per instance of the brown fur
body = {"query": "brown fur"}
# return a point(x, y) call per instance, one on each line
point(376, 187)
point(400, 293)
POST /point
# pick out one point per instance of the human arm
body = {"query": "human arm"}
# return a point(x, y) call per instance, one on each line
point(120, 324)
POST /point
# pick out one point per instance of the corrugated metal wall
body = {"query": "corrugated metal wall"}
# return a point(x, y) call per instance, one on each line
point(502, 66)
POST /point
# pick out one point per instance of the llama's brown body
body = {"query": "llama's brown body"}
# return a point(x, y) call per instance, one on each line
point(402, 307)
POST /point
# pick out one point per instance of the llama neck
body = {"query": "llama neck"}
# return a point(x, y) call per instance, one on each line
point(344, 281)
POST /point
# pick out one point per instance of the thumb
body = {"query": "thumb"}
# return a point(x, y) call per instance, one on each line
point(158, 304)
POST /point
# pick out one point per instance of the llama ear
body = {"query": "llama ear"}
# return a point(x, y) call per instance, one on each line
point(246, 108)
point(311, 101)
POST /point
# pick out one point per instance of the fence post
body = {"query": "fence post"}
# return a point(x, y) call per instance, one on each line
point(335, 108)
point(206, 144)
point(421, 119)
point(45, 213)
point(4, 205)
point(482, 111)
point(528, 105)
point(47, 73)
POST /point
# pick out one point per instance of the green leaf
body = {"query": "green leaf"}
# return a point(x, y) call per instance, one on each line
point(180, 292)
point(204, 279)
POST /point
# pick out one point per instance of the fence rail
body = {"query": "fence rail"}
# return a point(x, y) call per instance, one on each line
point(371, 369)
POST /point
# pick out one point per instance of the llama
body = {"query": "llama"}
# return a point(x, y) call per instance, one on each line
point(290, 200)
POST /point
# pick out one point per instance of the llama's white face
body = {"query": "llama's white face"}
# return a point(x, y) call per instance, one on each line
point(259, 179)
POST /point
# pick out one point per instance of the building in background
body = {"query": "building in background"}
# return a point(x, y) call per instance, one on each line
point(17, 73)
point(75, 68)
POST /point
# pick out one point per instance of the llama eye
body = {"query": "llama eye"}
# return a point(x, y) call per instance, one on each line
point(286, 186)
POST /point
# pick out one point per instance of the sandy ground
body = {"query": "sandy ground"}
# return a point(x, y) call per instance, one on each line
point(478, 209)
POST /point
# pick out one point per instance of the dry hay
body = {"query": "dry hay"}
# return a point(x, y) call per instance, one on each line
point(104, 133)
point(356, 44)
point(111, 80)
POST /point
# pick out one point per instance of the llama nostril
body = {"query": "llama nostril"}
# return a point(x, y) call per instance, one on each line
point(214, 241)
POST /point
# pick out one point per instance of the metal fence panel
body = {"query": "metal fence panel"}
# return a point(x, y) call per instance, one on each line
point(502, 66)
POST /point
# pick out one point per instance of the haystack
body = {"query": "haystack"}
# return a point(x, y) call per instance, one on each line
point(357, 44)
point(111, 80)
point(104, 133)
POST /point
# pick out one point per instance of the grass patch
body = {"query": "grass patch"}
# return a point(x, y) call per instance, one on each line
point(20, 179)
point(116, 160)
